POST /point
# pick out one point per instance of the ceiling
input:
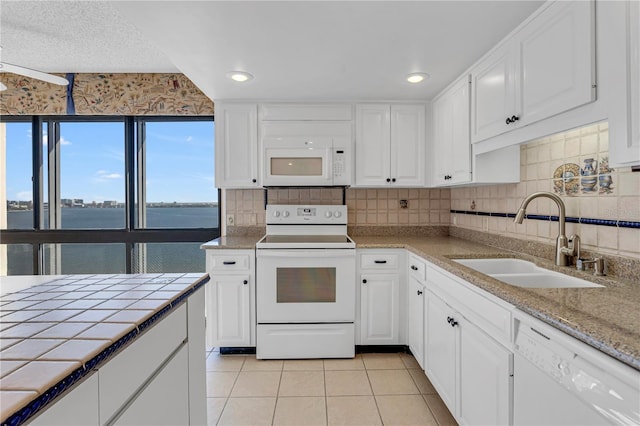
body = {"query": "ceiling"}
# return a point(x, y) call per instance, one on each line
point(296, 50)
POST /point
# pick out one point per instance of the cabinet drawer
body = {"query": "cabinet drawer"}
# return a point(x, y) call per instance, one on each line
point(417, 268)
point(122, 376)
point(228, 262)
point(379, 261)
point(488, 315)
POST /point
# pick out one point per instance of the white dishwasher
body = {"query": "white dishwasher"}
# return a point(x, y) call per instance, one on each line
point(559, 380)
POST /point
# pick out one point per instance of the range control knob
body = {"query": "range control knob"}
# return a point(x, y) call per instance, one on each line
point(337, 214)
point(328, 214)
point(285, 213)
point(276, 213)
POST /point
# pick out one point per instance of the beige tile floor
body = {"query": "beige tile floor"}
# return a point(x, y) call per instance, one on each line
point(371, 389)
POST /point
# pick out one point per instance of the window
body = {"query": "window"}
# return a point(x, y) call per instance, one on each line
point(179, 186)
point(113, 194)
point(16, 141)
point(92, 170)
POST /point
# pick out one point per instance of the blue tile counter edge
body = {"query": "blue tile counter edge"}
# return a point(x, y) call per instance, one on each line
point(43, 400)
point(585, 220)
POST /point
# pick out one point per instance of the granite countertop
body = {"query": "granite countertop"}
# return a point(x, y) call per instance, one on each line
point(69, 325)
point(233, 242)
point(606, 318)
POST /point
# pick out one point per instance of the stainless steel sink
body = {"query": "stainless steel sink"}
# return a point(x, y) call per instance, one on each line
point(521, 273)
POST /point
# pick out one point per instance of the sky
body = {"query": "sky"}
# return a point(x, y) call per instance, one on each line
point(180, 161)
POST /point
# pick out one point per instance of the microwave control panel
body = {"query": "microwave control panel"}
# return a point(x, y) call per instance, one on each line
point(341, 171)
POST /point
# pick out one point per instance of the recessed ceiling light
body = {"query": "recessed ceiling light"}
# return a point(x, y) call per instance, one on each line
point(239, 76)
point(417, 77)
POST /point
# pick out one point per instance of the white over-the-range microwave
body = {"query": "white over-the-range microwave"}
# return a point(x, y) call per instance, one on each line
point(299, 160)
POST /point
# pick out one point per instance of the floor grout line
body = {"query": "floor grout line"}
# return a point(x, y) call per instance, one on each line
point(281, 370)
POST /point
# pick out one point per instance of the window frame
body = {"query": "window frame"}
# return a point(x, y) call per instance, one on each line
point(134, 177)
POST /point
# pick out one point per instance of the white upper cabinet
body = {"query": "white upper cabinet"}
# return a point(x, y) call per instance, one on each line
point(544, 69)
point(493, 97)
point(626, 151)
point(451, 144)
point(390, 145)
point(633, 147)
point(557, 57)
point(236, 145)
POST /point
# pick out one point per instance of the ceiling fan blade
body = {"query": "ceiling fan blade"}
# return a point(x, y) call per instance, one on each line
point(28, 72)
point(2, 87)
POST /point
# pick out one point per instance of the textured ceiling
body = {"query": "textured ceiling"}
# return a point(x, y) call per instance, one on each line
point(75, 36)
point(297, 50)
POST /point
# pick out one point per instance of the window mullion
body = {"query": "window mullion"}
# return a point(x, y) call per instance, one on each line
point(55, 202)
point(141, 252)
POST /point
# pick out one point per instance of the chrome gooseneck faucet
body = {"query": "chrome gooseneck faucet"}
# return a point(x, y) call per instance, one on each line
point(563, 252)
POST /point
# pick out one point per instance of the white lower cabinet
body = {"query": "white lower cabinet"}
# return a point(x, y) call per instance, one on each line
point(441, 349)
point(82, 401)
point(379, 284)
point(228, 311)
point(464, 357)
point(379, 309)
point(416, 319)
point(230, 298)
point(147, 409)
point(417, 303)
point(486, 378)
point(471, 371)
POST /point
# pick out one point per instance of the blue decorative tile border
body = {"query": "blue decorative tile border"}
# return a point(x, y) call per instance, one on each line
point(585, 220)
point(43, 400)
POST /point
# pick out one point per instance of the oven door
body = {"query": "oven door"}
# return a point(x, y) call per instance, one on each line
point(305, 286)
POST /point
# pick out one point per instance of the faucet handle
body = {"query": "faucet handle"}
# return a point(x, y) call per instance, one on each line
point(573, 248)
point(574, 242)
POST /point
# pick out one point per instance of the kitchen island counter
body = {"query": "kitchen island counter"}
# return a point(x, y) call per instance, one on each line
point(56, 332)
point(605, 318)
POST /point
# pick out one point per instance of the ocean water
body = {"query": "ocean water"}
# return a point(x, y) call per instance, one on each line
point(110, 258)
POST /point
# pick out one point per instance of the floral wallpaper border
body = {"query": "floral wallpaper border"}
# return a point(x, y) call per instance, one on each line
point(105, 94)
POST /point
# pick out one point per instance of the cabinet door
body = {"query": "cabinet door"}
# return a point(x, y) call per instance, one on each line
point(373, 138)
point(416, 319)
point(460, 137)
point(228, 310)
point(407, 145)
point(236, 146)
point(441, 349)
point(442, 137)
point(452, 145)
point(379, 314)
point(78, 407)
point(629, 152)
point(493, 90)
point(165, 400)
point(557, 53)
point(486, 378)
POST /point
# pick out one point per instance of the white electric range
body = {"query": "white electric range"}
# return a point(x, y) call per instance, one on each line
point(305, 289)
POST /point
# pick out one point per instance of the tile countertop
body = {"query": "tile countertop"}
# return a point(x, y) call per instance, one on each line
point(605, 318)
point(66, 326)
